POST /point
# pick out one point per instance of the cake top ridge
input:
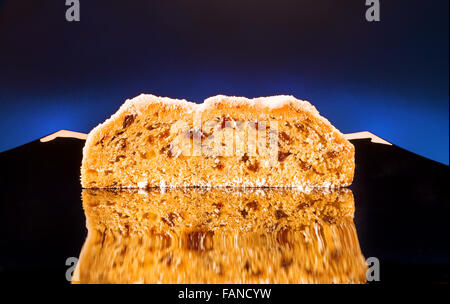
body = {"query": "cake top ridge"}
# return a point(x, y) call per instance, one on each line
point(139, 103)
point(270, 102)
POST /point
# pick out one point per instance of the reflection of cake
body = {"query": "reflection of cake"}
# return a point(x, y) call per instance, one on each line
point(315, 241)
point(275, 141)
point(174, 210)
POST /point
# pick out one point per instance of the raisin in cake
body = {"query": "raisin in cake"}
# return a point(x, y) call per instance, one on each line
point(218, 236)
point(276, 141)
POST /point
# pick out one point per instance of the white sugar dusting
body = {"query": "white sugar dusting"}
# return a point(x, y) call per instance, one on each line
point(271, 102)
point(142, 184)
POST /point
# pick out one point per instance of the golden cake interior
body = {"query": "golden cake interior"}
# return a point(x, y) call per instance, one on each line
point(220, 236)
point(151, 142)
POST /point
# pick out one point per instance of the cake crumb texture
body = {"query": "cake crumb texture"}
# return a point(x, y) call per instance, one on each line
point(276, 141)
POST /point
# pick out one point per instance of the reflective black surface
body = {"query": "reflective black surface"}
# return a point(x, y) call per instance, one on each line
point(220, 236)
point(401, 214)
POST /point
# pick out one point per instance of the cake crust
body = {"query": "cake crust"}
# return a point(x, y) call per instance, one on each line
point(161, 142)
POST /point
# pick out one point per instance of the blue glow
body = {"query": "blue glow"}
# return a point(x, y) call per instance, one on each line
point(389, 78)
point(408, 123)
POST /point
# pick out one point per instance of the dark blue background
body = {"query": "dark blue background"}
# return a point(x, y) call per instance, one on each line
point(389, 77)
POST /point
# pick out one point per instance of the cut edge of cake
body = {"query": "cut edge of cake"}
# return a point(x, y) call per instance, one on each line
point(137, 105)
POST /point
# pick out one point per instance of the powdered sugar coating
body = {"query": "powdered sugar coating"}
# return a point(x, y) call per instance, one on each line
point(269, 103)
